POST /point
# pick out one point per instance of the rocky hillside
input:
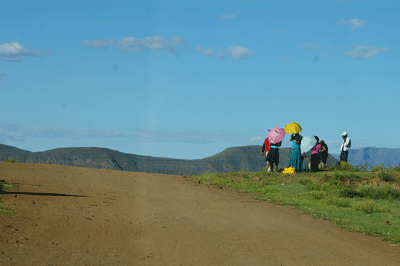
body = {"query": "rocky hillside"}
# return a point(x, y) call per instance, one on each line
point(231, 159)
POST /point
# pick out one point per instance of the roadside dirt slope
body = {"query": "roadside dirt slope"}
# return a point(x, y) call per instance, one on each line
point(81, 216)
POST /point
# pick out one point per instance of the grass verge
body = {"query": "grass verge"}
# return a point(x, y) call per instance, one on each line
point(4, 186)
point(360, 201)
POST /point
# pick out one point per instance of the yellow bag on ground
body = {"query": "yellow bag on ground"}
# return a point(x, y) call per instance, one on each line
point(290, 170)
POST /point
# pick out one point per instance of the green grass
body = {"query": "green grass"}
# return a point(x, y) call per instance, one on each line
point(4, 186)
point(352, 197)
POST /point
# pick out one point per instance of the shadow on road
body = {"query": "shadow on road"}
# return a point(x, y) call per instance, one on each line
point(40, 194)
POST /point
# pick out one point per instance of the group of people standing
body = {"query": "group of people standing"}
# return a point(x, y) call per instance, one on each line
point(319, 153)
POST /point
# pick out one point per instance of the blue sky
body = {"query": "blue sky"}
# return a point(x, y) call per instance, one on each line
point(187, 79)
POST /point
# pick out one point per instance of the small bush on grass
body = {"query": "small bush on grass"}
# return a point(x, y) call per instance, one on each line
point(318, 195)
point(246, 175)
point(396, 168)
point(351, 177)
point(343, 166)
point(378, 168)
point(336, 175)
point(348, 192)
point(340, 202)
point(383, 191)
point(329, 167)
point(304, 181)
point(384, 175)
point(4, 186)
point(338, 179)
point(312, 184)
point(369, 206)
point(331, 178)
point(11, 160)
point(362, 168)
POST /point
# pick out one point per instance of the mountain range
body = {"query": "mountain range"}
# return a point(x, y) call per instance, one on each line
point(231, 159)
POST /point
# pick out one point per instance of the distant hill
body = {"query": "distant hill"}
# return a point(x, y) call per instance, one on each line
point(373, 156)
point(231, 159)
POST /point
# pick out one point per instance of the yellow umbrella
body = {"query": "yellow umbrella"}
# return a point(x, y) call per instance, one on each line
point(292, 128)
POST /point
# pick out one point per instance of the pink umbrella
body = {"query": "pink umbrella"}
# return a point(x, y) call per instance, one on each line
point(276, 135)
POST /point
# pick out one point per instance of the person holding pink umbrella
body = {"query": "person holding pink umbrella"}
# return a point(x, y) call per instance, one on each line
point(275, 137)
point(273, 155)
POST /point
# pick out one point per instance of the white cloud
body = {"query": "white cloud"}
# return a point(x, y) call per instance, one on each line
point(19, 133)
point(239, 52)
point(184, 136)
point(310, 46)
point(362, 52)
point(2, 75)
point(276, 30)
point(286, 59)
point(137, 45)
point(203, 51)
point(255, 139)
point(13, 52)
point(356, 23)
point(229, 16)
point(221, 56)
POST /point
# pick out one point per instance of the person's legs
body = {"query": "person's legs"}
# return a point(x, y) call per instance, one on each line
point(342, 156)
point(325, 159)
point(273, 157)
point(346, 155)
point(267, 167)
point(269, 160)
point(276, 168)
point(298, 161)
point(314, 162)
point(321, 161)
point(292, 162)
point(274, 165)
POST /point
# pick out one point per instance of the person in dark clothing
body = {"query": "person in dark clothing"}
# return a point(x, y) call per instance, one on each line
point(324, 152)
point(315, 157)
point(273, 155)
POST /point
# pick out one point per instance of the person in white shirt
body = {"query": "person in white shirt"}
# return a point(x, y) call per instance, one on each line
point(344, 149)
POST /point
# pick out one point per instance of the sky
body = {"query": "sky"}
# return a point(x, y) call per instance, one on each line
point(188, 79)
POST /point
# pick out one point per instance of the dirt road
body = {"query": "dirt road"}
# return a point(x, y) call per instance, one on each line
point(81, 216)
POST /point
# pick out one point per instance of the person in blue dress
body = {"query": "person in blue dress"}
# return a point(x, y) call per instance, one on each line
point(296, 158)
